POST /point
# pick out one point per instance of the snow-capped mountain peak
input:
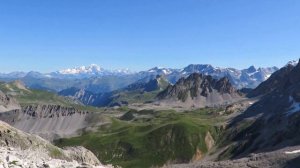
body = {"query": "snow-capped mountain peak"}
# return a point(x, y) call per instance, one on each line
point(161, 70)
point(91, 69)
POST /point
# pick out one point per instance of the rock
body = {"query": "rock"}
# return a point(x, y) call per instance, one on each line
point(82, 155)
point(199, 90)
point(8, 103)
point(209, 141)
point(29, 151)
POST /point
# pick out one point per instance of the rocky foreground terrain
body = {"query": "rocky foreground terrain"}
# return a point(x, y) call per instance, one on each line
point(19, 149)
point(283, 158)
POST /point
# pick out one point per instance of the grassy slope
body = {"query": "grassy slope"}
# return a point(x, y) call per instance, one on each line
point(168, 136)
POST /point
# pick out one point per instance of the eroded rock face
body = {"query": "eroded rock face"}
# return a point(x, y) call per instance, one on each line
point(50, 111)
point(48, 121)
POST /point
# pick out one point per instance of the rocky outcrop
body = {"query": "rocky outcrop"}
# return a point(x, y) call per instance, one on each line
point(26, 150)
point(200, 90)
point(7, 103)
point(209, 141)
point(82, 155)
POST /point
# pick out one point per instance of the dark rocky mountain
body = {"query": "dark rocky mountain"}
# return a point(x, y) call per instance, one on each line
point(276, 81)
point(200, 90)
point(273, 122)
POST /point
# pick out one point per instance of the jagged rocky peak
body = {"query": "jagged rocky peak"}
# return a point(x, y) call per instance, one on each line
point(251, 69)
point(201, 90)
point(224, 86)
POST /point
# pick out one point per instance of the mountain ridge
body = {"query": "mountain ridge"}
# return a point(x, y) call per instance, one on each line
point(249, 77)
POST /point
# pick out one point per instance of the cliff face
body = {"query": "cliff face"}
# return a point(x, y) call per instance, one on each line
point(200, 90)
point(49, 121)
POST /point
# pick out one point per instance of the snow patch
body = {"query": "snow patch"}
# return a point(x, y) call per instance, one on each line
point(295, 107)
point(292, 152)
point(268, 76)
point(93, 68)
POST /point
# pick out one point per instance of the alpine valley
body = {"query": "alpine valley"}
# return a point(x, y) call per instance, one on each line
point(199, 116)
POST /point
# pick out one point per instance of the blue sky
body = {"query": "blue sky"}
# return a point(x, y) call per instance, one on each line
point(139, 34)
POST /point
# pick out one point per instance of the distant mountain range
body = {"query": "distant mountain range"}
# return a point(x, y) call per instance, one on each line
point(95, 79)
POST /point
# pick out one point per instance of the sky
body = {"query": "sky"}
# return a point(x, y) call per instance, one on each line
point(139, 34)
